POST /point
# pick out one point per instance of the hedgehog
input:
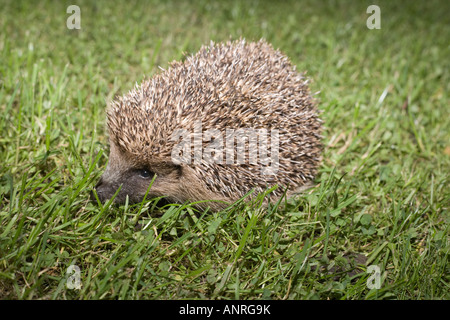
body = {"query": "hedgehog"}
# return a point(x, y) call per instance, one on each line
point(183, 134)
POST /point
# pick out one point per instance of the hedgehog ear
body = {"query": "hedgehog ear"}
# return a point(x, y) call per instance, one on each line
point(168, 167)
point(177, 170)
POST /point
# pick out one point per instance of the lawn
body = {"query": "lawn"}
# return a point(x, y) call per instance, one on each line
point(381, 200)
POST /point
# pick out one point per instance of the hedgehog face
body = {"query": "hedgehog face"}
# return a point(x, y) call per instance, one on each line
point(176, 183)
point(134, 177)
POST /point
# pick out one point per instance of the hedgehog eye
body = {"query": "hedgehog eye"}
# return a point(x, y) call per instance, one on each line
point(144, 173)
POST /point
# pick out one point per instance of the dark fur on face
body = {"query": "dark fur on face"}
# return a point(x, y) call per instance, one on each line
point(176, 182)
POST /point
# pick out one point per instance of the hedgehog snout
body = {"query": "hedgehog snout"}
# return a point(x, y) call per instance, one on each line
point(103, 191)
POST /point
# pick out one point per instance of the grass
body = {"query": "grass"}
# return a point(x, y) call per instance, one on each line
point(382, 194)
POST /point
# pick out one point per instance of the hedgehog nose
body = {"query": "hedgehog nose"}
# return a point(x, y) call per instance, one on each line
point(98, 189)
